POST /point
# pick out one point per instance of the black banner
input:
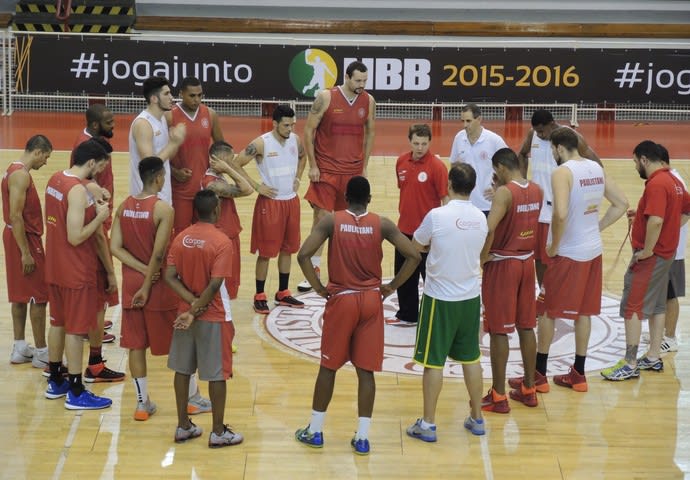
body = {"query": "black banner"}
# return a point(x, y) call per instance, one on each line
point(118, 66)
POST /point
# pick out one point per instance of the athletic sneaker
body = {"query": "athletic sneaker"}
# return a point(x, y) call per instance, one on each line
point(314, 440)
point(284, 298)
point(226, 439)
point(40, 358)
point(22, 354)
point(541, 382)
point(572, 379)
point(495, 402)
point(261, 303)
point(108, 337)
point(107, 324)
point(99, 373)
point(86, 401)
point(424, 434)
point(198, 404)
point(305, 286)
point(361, 446)
point(144, 410)
point(645, 363)
point(56, 390)
point(475, 426)
point(669, 345)
point(524, 395)
point(63, 371)
point(184, 434)
point(620, 371)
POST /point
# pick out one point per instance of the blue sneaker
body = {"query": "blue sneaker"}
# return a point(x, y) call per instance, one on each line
point(56, 390)
point(361, 446)
point(620, 371)
point(475, 426)
point(645, 363)
point(314, 440)
point(86, 401)
point(424, 434)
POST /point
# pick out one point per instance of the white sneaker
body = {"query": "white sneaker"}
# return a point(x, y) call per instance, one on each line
point(305, 286)
point(22, 355)
point(40, 358)
point(669, 345)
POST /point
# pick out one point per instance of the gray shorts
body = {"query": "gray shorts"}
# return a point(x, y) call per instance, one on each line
point(644, 287)
point(676, 279)
point(206, 346)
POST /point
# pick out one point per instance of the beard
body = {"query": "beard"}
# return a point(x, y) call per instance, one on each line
point(108, 134)
point(642, 172)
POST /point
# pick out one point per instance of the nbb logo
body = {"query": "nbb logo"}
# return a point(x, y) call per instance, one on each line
point(395, 73)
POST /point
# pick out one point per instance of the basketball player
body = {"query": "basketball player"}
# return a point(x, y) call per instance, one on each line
point(508, 280)
point(338, 137)
point(536, 153)
point(280, 160)
point(199, 261)
point(191, 161)
point(72, 219)
point(476, 145)
point(24, 255)
point(149, 135)
point(449, 313)
point(353, 318)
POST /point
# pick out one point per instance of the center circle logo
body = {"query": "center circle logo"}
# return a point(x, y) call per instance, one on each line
point(312, 70)
point(300, 331)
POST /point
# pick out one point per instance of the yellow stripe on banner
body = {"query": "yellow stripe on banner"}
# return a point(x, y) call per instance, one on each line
point(77, 28)
point(51, 9)
point(33, 8)
point(115, 10)
point(80, 9)
point(113, 29)
point(98, 10)
point(428, 333)
point(29, 27)
point(130, 12)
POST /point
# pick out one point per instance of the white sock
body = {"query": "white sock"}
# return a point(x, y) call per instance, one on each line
point(41, 350)
point(363, 428)
point(193, 387)
point(316, 424)
point(141, 388)
point(20, 343)
point(426, 425)
point(316, 261)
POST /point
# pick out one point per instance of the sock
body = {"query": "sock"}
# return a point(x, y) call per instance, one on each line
point(579, 365)
point(542, 358)
point(20, 344)
point(426, 425)
point(260, 284)
point(55, 372)
point(316, 261)
point(75, 385)
point(95, 355)
point(141, 388)
point(316, 423)
point(283, 281)
point(41, 350)
point(193, 387)
point(363, 428)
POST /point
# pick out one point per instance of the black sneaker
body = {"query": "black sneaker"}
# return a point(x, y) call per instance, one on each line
point(285, 299)
point(261, 304)
point(100, 373)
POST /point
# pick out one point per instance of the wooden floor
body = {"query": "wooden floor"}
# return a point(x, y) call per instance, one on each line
point(636, 429)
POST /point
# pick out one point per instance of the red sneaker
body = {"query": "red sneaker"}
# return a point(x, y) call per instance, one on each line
point(572, 379)
point(495, 402)
point(540, 381)
point(524, 395)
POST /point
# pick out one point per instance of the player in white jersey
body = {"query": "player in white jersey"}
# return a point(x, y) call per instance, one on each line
point(149, 135)
point(280, 159)
point(536, 153)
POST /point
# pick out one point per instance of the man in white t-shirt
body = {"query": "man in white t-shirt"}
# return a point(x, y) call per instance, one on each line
point(476, 146)
point(448, 323)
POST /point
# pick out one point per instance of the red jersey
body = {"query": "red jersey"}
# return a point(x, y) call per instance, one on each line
point(32, 213)
point(138, 237)
point(202, 252)
point(354, 252)
point(422, 183)
point(664, 196)
point(516, 233)
point(193, 153)
point(104, 179)
point(66, 265)
point(339, 139)
point(229, 220)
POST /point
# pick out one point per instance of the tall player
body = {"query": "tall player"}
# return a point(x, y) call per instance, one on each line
point(338, 137)
point(188, 166)
point(24, 254)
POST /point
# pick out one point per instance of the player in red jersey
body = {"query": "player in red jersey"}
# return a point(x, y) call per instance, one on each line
point(338, 137)
point(189, 165)
point(353, 318)
point(24, 255)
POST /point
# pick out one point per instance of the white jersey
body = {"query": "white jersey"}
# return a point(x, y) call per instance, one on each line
point(160, 140)
point(479, 156)
point(581, 239)
point(542, 165)
point(683, 239)
point(278, 167)
point(456, 233)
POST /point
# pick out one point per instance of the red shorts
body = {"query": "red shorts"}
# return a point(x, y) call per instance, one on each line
point(24, 288)
point(73, 309)
point(232, 284)
point(540, 250)
point(571, 288)
point(275, 227)
point(143, 328)
point(184, 213)
point(329, 192)
point(508, 295)
point(353, 330)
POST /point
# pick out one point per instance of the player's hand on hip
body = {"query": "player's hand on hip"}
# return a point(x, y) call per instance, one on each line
point(267, 191)
point(386, 290)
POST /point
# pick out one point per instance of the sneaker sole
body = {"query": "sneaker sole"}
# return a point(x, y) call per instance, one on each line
point(221, 445)
point(490, 408)
point(20, 362)
point(422, 437)
point(303, 289)
point(77, 407)
point(361, 454)
point(54, 396)
point(103, 380)
point(283, 304)
point(182, 440)
point(196, 411)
